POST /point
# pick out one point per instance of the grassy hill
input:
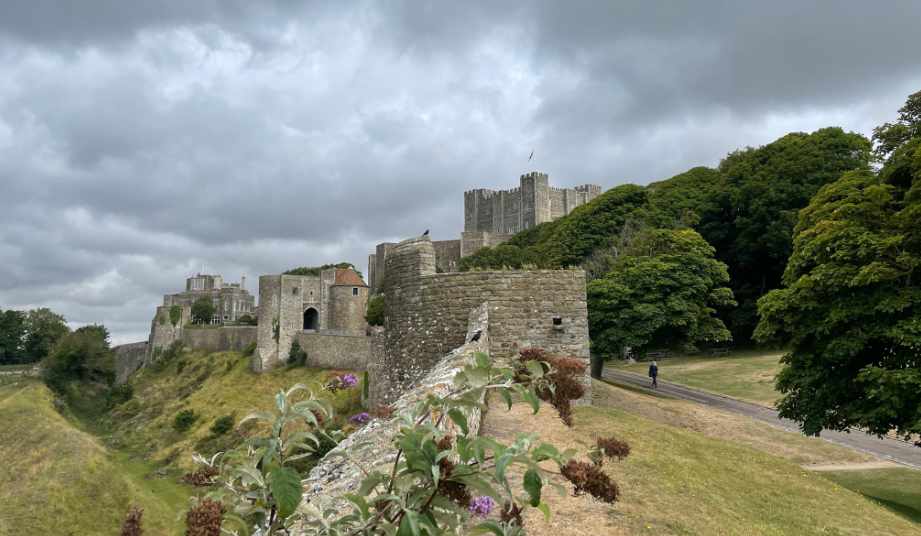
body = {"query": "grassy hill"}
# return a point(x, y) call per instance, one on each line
point(679, 481)
point(89, 468)
point(58, 479)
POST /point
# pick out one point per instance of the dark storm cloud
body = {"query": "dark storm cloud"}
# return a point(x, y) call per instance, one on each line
point(143, 141)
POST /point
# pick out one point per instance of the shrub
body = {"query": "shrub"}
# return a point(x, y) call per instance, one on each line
point(296, 356)
point(222, 425)
point(588, 477)
point(250, 349)
point(175, 315)
point(184, 420)
point(247, 320)
point(375, 313)
point(132, 523)
point(164, 357)
point(120, 393)
point(202, 477)
point(204, 519)
point(563, 375)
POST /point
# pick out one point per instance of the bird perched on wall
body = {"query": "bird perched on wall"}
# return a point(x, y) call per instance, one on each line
point(426, 233)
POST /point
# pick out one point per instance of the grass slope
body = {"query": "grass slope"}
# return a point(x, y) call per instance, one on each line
point(898, 489)
point(746, 375)
point(57, 479)
point(681, 482)
point(212, 386)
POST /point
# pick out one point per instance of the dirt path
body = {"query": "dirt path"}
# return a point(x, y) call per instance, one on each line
point(901, 452)
point(849, 466)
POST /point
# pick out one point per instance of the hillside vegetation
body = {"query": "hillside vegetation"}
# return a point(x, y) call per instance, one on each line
point(58, 479)
point(209, 386)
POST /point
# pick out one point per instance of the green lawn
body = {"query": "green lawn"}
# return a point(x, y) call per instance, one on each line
point(746, 375)
point(898, 489)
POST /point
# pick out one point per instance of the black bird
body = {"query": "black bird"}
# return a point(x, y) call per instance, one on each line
point(426, 233)
point(532, 155)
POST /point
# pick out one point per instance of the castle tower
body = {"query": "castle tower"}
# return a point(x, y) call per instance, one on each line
point(535, 199)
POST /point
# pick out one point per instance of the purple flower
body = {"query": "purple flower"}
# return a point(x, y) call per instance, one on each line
point(482, 505)
point(348, 380)
point(360, 418)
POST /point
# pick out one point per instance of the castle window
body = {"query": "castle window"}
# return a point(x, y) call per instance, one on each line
point(294, 291)
point(557, 321)
point(354, 291)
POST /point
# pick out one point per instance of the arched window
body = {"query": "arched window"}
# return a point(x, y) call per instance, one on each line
point(311, 319)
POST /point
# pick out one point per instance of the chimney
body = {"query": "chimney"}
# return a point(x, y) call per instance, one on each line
point(243, 281)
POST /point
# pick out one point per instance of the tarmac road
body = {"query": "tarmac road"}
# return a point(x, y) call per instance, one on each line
point(894, 450)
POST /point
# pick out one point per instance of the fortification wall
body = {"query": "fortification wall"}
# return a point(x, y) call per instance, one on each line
point(427, 313)
point(219, 339)
point(372, 447)
point(347, 309)
point(330, 350)
point(128, 359)
point(162, 330)
point(447, 255)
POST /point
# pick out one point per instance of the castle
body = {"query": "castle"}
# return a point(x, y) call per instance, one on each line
point(492, 217)
point(429, 305)
point(231, 300)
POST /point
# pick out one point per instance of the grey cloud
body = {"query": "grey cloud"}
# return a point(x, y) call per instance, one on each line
point(140, 141)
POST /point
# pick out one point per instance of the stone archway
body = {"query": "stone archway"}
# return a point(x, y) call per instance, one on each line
point(311, 319)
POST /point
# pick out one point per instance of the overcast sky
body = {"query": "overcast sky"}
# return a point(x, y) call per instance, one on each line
point(142, 141)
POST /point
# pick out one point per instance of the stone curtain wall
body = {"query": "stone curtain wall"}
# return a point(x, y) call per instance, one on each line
point(427, 313)
point(371, 447)
point(128, 359)
point(335, 351)
point(162, 332)
point(447, 255)
point(219, 339)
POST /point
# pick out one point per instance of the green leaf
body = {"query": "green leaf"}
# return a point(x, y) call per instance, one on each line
point(488, 527)
point(545, 451)
point(409, 525)
point(545, 509)
point(532, 484)
point(459, 419)
point(286, 489)
point(507, 396)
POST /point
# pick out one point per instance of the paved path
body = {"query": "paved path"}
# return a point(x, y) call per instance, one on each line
point(901, 452)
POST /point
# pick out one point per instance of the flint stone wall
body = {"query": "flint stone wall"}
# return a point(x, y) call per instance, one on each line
point(219, 339)
point(371, 447)
point(330, 350)
point(427, 313)
point(128, 359)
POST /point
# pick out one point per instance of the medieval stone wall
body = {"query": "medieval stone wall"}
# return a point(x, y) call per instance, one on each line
point(427, 313)
point(447, 255)
point(331, 350)
point(219, 339)
point(163, 332)
point(128, 359)
point(347, 308)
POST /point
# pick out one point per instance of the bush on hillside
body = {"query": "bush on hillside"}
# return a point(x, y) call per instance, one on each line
point(222, 425)
point(203, 311)
point(184, 420)
point(296, 356)
point(81, 356)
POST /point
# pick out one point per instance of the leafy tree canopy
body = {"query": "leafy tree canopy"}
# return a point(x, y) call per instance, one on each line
point(662, 292)
point(81, 356)
point(203, 311)
point(375, 313)
point(12, 336)
point(43, 329)
point(851, 302)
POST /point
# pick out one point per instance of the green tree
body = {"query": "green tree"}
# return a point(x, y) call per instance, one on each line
point(43, 329)
point(375, 313)
point(767, 187)
point(12, 336)
point(81, 356)
point(663, 291)
point(851, 303)
point(202, 311)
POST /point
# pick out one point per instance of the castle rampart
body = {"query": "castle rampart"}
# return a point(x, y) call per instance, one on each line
point(427, 313)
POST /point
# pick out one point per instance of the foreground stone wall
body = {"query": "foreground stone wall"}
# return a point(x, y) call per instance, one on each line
point(427, 313)
point(219, 339)
point(330, 350)
point(371, 447)
point(128, 359)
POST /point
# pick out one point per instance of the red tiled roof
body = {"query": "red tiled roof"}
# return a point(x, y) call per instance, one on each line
point(347, 276)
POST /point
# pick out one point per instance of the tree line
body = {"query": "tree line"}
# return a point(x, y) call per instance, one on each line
point(28, 336)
